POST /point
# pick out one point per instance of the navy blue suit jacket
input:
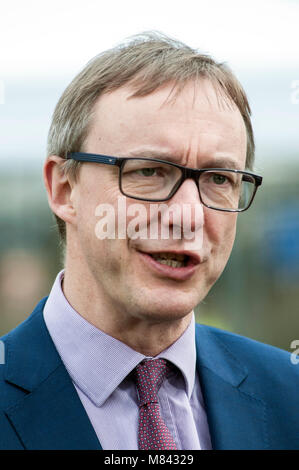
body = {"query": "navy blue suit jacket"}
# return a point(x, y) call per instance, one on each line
point(250, 391)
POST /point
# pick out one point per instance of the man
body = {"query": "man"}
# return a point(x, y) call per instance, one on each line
point(112, 359)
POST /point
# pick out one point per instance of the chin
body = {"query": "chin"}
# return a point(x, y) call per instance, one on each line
point(165, 308)
point(163, 316)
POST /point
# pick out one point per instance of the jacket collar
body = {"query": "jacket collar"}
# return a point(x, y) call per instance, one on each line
point(31, 346)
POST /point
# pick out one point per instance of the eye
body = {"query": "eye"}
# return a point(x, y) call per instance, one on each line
point(146, 171)
point(219, 179)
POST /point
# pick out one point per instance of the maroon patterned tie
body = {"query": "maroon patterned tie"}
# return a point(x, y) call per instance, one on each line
point(153, 433)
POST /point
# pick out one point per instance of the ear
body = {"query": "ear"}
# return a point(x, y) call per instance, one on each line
point(59, 189)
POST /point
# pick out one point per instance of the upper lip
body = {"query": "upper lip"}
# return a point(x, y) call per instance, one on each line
point(195, 259)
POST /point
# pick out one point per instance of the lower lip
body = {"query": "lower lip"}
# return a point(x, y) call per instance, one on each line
point(179, 274)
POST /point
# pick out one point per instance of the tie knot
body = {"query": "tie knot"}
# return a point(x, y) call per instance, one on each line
point(149, 375)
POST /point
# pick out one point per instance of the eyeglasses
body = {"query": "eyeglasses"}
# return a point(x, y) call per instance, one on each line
point(154, 180)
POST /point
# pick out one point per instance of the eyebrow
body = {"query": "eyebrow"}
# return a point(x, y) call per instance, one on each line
point(223, 162)
point(159, 154)
point(218, 162)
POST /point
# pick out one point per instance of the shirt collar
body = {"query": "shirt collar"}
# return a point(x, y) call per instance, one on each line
point(97, 362)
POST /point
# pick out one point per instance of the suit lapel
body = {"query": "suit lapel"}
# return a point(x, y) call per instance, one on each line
point(236, 415)
point(51, 415)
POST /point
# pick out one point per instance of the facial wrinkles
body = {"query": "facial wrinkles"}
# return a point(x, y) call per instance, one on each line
point(185, 125)
point(208, 126)
point(196, 134)
point(193, 146)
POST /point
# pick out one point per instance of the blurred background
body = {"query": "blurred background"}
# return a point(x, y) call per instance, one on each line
point(45, 44)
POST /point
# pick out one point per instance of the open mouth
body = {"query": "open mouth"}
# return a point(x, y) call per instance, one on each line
point(170, 259)
point(174, 260)
point(178, 266)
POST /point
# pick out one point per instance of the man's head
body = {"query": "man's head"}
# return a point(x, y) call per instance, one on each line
point(157, 98)
point(147, 62)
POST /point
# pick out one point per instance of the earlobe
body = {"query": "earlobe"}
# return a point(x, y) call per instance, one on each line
point(59, 189)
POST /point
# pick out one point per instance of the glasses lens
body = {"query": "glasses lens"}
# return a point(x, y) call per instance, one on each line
point(226, 189)
point(147, 179)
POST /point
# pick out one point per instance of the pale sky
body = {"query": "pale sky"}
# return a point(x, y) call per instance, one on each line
point(45, 43)
point(49, 37)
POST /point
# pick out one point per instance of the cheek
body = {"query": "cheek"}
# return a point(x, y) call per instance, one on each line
point(221, 231)
point(137, 220)
point(220, 235)
point(94, 208)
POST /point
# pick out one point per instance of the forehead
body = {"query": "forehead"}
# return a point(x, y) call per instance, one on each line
point(198, 119)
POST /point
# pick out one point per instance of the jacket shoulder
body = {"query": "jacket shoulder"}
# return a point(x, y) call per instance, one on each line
point(17, 344)
point(266, 361)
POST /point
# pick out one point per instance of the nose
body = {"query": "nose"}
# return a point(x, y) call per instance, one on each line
point(187, 193)
point(187, 209)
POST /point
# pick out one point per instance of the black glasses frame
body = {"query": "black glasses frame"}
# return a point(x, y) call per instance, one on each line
point(187, 173)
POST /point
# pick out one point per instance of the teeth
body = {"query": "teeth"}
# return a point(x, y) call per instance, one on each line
point(169, 256)
point(170, 259)
point(170, 262)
